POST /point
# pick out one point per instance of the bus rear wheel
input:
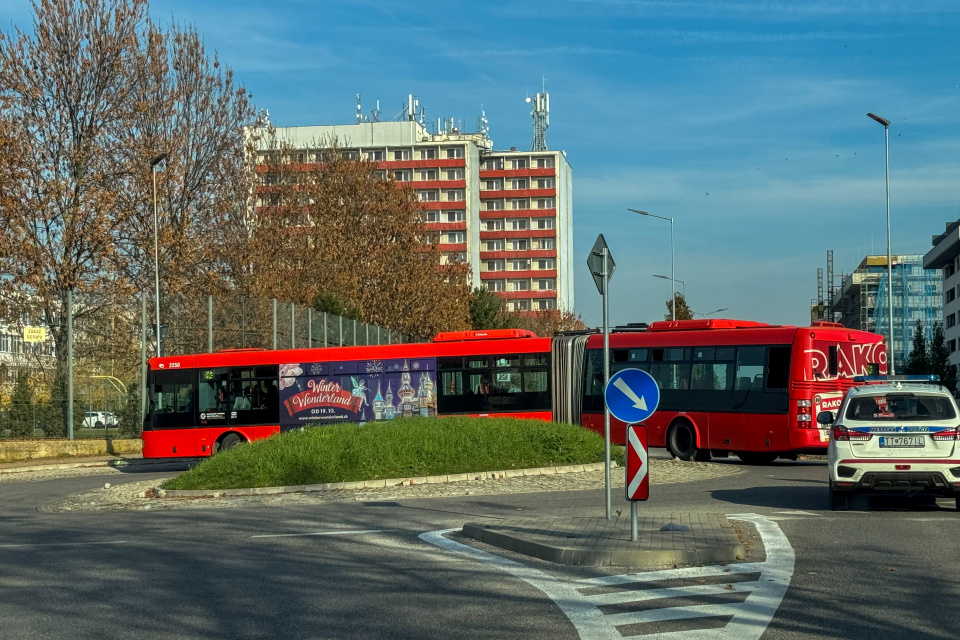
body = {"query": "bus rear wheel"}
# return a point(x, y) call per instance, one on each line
point(682, 442)
point(229, 441)
point(753, 457)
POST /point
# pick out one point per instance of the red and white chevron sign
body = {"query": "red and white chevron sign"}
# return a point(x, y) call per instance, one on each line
point(638, 482)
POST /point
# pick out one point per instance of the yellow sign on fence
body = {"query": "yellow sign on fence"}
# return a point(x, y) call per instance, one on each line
point(34, 334)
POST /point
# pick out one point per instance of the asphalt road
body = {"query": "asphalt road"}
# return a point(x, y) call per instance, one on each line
point(885, 569)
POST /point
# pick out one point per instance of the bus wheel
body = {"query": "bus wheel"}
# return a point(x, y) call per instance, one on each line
point(752, 457)
point(682, 441)
point(229, 441)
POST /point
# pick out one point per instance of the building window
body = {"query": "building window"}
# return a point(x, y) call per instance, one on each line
point(520, 265)
point(495, 265)
point(494, 225)
point(494, 205)
point(544, 163)
point(952, 345)
point(456, 237)
point(546, 223)
point(492, 164)
point(546, 243)
point(496, 285)
point(951, 320)
point(519, 224)
point(454, 174)
point(951, 294)
point(544, 183)
point(428, 154)
point(546, 303)
point(403, 175)
point(518, 183)
point(429, 196)
point(493, 185)
point(519, 245)
point(454, 195)
point(433, 215)
point(520, 305)
point(494, 245)
point(428, 174)
point(401, 154)
point(375, 155)
point(518, 163)
point(949, 270)
point(4, 343)
point(455, 215)
point(546, 203)
point(519, 285)
point(454, 152)
point(519, 204)
point(547, 284)
point(546, 263)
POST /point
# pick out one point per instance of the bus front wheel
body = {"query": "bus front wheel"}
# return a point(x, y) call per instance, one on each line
point(229, 441)
point(682, 441)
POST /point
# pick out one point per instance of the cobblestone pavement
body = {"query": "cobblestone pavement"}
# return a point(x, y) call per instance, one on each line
point(133, 495)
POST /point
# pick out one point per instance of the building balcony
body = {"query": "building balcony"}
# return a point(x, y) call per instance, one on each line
point(447, 226)
point(436, 184)
point(518, 193)
point(444, 204)
point(436, 163)
point(512, 275)
point(513, 255)
point(518, 213)
point(513, 295)
point(518, 173)
point(525, 233)
point(459, 246)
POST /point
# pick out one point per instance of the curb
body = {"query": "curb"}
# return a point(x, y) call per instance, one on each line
point(380, 484)
point(82, 465)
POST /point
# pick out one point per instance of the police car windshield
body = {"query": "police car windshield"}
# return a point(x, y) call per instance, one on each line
point(900, 407)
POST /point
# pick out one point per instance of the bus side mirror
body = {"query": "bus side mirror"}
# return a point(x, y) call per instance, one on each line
point(825, 417)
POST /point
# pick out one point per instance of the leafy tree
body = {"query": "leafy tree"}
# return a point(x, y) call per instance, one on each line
point(547, 322)
point(332, 303)
point(20, 416)
point(489, 311)
point(683, 310)
point(917, 361)
point(938, 359)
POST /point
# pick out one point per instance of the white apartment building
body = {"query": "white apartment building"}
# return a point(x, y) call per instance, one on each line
point(507, 213)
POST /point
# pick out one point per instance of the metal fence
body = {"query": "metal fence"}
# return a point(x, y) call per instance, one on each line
point(111, 343)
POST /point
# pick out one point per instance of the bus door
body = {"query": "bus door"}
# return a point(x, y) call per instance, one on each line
point(214, 404)
point(170, 431)
point(738, 371)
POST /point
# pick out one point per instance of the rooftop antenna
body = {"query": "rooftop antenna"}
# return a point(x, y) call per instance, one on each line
point(483, 126)
point(359, 110)
point(540, 110)
point(375, 114)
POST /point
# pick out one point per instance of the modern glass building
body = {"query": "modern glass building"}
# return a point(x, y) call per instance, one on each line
point(916, 299)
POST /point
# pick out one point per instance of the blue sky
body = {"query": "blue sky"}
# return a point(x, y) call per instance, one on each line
point(745, 121)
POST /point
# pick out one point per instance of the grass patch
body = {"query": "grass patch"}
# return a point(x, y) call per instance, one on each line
point(395, 449)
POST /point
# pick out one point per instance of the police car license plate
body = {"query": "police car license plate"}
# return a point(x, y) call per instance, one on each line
point(902, 441)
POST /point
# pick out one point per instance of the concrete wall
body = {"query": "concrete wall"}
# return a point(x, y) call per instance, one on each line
point(17, 450)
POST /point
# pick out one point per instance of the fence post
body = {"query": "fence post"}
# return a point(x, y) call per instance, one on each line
point(310, 327)
point(293, 325)
point(209, 324)
point(70, 363)
point(274, 300)
point(389, 336)
point(325, 328)
point(354, 332)
point(341, 330)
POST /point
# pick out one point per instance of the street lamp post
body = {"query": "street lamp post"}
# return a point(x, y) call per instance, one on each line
point(709, 313)
point(673, 312)
point(156, 243)
point(682, 283)
point(886, 145)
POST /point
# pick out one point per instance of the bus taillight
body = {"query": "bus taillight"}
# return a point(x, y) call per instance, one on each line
point(805, 414)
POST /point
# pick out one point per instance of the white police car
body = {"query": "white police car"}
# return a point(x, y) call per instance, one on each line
point(894, 434)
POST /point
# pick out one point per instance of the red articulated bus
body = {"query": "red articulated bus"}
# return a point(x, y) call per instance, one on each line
point(726, 386)
point(201, 404)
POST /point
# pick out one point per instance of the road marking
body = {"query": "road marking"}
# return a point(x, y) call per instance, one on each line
point(60, 544)
point(741, 598)
point(319, 533)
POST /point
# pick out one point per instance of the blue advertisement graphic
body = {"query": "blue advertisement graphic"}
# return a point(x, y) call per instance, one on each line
point(357, 391)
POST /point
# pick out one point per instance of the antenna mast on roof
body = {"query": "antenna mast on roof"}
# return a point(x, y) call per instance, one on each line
point(540, 104)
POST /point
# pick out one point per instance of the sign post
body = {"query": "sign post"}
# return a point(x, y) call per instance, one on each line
point(632, 395)
point(601, 266)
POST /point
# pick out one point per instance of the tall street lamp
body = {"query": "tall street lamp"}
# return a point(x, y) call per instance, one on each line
point(673, 312)
point(156, 242)
point(886, 145)
point(709, 313)
point(684, 284)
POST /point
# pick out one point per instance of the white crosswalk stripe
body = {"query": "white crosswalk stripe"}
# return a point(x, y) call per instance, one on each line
point(736, 601)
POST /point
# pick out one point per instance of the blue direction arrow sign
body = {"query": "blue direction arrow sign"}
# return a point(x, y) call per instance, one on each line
point(632, 395)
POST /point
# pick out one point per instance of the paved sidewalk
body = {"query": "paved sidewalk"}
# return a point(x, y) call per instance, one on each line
point(662, 540)
point(53, 464)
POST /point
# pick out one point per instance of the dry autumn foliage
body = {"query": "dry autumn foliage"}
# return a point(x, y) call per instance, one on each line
point(335, 225)
point(88, 98)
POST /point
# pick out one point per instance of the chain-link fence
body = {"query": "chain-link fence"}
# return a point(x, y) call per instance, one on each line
point(111, 340)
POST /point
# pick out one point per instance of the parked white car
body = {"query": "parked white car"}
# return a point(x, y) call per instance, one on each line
point(894, 434)
point(99, 420)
